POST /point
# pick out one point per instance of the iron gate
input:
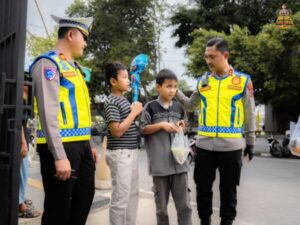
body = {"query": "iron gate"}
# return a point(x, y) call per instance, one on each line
point(12, 48)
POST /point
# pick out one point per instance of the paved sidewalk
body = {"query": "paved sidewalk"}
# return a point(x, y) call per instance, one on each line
point(146, 213)
point(146, 210)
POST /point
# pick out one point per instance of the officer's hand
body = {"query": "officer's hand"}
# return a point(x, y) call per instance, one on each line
point(63, 169)
point(249, 152)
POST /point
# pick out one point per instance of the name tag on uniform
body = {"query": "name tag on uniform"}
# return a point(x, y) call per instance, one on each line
point(238, 88)
point(205, 88)
point(69, 74)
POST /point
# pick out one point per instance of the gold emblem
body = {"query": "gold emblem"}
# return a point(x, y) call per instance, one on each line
point(236, 80)
point(284, 19)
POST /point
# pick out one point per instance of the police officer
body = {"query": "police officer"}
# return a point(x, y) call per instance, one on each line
point(63, 136)
point(227, 110)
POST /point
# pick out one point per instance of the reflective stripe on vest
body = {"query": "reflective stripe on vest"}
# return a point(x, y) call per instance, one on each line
point(222, 109)
point(74, 115)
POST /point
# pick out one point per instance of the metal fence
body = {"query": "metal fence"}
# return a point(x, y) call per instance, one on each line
point(12, 48)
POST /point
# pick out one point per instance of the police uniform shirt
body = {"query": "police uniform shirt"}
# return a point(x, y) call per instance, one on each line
point(47, 96)
point(224, 144)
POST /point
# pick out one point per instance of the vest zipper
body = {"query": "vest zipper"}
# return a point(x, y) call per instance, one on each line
point(218, 108)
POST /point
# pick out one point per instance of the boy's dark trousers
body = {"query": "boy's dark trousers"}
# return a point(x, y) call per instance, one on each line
point(68, 202)
point(177, 184)
point(229, 165)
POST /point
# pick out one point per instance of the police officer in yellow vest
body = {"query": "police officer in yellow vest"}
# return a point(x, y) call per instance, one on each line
point(63, 104)
point(225, 100)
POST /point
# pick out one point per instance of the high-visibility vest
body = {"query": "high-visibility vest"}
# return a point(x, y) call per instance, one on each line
point(74, 115)
point(222, 109)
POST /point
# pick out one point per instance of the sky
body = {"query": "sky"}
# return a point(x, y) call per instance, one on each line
point(171, 57)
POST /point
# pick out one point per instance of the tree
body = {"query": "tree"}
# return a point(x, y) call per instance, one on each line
point(221, 15)
point(121, 30)
point(183, 85)
point(37, 45)
point(272, 57)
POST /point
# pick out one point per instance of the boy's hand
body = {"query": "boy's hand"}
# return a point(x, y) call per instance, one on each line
point(181, 124)
point(170, 127)
point(136, 108)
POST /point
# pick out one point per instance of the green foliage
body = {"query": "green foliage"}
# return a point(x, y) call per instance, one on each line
point(121, 30)
point(183, 85)
point(78, 9)
point(220, 15)
point(272, 58)
point(37, 45)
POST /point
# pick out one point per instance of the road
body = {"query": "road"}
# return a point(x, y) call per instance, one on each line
point(269, 193)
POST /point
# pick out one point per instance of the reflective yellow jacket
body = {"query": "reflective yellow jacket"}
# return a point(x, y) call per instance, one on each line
point(222, 109)
point(74, 115)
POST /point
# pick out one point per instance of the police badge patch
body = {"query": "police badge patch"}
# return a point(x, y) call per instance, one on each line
point(250, 89)
point(50, 73)
point(236, 80)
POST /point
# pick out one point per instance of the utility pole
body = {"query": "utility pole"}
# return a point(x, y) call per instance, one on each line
point(41, 15)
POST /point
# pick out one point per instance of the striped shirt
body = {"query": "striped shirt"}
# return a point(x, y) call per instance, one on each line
point(117, 109)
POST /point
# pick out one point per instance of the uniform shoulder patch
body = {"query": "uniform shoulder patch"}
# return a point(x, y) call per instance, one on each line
point(50, 73)
point(250, 89)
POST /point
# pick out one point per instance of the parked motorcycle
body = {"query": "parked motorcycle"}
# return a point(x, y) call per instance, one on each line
point(279, 150)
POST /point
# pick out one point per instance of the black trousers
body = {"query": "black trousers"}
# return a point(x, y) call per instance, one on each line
point(229, 165)
point(68, 202)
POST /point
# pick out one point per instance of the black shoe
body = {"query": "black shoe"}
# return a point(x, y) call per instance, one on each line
point(206, 221)
point(226, 222)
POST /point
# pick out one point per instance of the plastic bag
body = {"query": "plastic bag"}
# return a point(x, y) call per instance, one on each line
point(180, 147)
point(295, 139)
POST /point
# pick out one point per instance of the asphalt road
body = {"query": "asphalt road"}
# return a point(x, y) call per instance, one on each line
point(269, 193)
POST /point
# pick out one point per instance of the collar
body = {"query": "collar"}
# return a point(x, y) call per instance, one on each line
point(162, 103)
point(63, 58)
point(229, 73)
point(116, 96)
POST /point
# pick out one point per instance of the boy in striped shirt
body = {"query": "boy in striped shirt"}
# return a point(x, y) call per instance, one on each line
point(122, 146)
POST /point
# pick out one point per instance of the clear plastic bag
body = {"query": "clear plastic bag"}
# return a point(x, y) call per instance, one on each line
point(295, 139)
point(180, 147)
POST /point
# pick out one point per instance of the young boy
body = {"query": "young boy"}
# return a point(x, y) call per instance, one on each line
point(161, 119)
point(122, 149)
